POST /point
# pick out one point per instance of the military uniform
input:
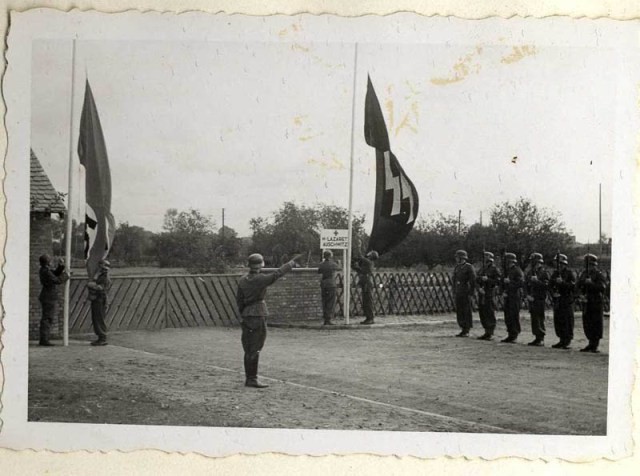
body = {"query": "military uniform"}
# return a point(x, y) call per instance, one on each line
point(252, 289)
point(486, 303)
point(50, 279)
point(537, 297)
point(563, 297)
point(464, 283)
point(98, 291)
point(593, 311)
point(364, 266)
point(512, 301)
point(328, 270)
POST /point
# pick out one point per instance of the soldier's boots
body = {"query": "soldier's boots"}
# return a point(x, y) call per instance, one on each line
point(563, 344)
point(367, 321)
point(592, 347)
point(46, 343)
point(537, 342)
point(328, 323)
point(463, 333)
point(254, 383)
point(485, 336)
point(99, 342)
point(510, 339)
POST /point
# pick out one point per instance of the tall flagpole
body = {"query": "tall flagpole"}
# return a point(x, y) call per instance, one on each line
point(67, 284)
point(347, 276)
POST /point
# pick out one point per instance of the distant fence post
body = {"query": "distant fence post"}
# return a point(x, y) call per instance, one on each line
point(166, 304)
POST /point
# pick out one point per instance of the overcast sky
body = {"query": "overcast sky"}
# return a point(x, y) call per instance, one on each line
point(247, 126)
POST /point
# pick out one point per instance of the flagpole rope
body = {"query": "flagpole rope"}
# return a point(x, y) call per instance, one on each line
point(346, 281)
point(67, 284)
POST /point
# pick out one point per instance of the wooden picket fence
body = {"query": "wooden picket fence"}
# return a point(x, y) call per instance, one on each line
point(158, 302)
point(175, 301)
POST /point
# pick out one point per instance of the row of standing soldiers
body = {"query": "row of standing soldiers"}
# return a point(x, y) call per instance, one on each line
point(563, 285)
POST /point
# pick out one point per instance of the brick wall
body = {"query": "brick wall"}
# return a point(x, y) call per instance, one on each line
point(295, 296)
point(40, 243)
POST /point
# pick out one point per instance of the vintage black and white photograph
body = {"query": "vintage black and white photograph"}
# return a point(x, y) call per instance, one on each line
point(379, 225)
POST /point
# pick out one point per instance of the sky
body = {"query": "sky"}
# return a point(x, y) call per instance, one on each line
point(248, 126)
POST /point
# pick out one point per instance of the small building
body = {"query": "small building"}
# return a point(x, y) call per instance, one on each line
point(45, 202)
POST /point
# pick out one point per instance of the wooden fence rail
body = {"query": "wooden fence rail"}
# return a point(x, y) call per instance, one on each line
point(173, 301)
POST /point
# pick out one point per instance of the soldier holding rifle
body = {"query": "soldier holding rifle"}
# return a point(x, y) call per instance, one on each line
point(562, 286)
point(488, 277)
point(252, 289)
point(512, 292)
point(592, 283)
point(537, 282)
point(464, 284)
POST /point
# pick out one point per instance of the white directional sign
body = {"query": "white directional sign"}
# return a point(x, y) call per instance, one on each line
point(334, 239)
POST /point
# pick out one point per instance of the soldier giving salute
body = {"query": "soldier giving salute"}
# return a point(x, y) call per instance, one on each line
point(252, 289)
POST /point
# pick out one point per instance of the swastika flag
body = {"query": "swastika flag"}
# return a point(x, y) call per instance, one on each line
point(396, 205)
point(100, 225)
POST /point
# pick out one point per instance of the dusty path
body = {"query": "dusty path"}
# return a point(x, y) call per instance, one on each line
point(395, 378)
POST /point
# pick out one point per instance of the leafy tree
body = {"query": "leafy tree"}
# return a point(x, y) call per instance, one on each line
point(190, 240)
point(296, 229)
point(132, 245)
point(522, 227)
point(432, 241)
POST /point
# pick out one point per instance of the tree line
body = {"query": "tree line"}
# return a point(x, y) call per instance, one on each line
point(189, 239)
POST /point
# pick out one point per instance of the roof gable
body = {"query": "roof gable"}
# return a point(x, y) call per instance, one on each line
point(44, 198)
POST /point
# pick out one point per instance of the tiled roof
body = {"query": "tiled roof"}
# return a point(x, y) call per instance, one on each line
point(44, 197)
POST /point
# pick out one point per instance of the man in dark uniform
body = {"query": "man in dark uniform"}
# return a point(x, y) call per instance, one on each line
point(592, 283)
point(364, 266)
point(98, 289)
point(488, 278)
point(464, 284)
point(562, 285)
point(328, 270)
point(537, 282)
point(252, 289)
point(512, 293)
point(50, 279)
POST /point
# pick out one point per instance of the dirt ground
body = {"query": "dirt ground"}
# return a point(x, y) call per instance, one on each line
point(407, 378)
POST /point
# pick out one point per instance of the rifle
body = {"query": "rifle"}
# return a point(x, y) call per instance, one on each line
point(587, 260)
point(504, 268)
point(482, 290)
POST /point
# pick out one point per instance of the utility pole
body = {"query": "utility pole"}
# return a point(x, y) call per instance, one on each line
point(223, 225)
point(600, 216)
point(459, 220)
point(480, 217)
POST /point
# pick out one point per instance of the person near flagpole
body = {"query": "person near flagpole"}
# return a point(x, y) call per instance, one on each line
point(364, 266)
point(98, 288)
point(50, 278)
point(328, 269)
point(252, 289)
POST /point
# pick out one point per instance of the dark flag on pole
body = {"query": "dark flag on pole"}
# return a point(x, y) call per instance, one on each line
point(92, 151)
point(396, 206)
